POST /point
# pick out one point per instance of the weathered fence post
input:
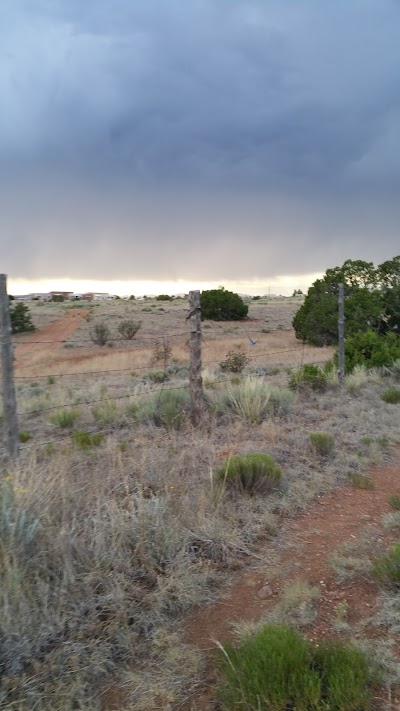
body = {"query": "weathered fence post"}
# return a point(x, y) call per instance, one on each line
point(341, 368)
point(196, 382)
point(7, 363)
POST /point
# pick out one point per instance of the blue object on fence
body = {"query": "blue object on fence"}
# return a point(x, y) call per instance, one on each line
point(252, 343)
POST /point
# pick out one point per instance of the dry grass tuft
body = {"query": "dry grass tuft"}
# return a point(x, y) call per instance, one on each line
point(297, 605)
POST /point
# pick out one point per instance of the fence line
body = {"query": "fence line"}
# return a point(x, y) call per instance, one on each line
point(134, 342)
point(194, 338)
point(146, 367)
point(112, 430)
point(151, 390)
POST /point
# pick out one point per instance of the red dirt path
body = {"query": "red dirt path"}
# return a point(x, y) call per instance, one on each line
point(309, 542)
point(37, 345)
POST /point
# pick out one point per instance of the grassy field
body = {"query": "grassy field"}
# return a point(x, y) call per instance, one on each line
point(114, 525)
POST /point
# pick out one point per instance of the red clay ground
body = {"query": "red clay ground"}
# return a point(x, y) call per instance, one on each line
point(36, 346)
point(308, 543)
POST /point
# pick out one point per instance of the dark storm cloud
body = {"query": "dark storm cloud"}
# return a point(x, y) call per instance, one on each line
point(268, 129)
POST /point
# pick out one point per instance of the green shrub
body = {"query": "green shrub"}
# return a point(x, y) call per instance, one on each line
point(24, 437)
point(100, 334)
point(222, 305)
point(51, 380)
point(65, 418)
point(250, 473)
point(164, 297)
point(85, 440)
point(277, 670)
point(385, 569)
point(308, 377)
point(371, 349)
point(164, 409)
point(21, 319)
point(346, 676)
point(391, 395)
point(235, 362)
point(128, 329)
point(394, 502)
point(322, 443)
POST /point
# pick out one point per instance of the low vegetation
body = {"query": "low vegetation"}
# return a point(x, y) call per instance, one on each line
point(250, 473)
point(128, 328)
point(391, 395)
point(278, 669)
point(100, 334)
point(167, 408)
point(385, 568)
point(361, 481)
point(235, 362)
point(65, 417)
point(322, 443)
point(394, 501)
point(297, 605)
point(86, 440)
point(131, 516)
point(253, 399)
point(308, 377)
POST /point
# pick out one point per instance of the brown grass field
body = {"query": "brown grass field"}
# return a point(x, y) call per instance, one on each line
point(123, 557)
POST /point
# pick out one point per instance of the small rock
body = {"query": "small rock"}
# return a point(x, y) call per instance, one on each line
point(264, 592)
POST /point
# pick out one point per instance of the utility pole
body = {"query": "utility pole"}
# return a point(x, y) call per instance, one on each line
point(341, 368)
point(196, 382)
point(7, 363)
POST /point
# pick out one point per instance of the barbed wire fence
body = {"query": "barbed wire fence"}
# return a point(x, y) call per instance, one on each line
point(194, 339)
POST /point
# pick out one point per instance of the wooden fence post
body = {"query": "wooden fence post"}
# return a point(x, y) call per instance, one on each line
point(196, 381)
point(7, 362)
point(341, 367)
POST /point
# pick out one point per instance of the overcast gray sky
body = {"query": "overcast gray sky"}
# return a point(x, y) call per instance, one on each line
point(197, 139)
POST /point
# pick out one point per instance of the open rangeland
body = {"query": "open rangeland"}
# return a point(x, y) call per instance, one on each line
point(126, 553)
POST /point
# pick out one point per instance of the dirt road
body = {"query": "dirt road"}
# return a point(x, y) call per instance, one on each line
point(36, 346)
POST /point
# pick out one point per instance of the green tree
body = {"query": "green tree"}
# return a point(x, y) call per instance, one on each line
point(316, 320)
point(21, 319)
point(222, 305)
point(389, 279)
